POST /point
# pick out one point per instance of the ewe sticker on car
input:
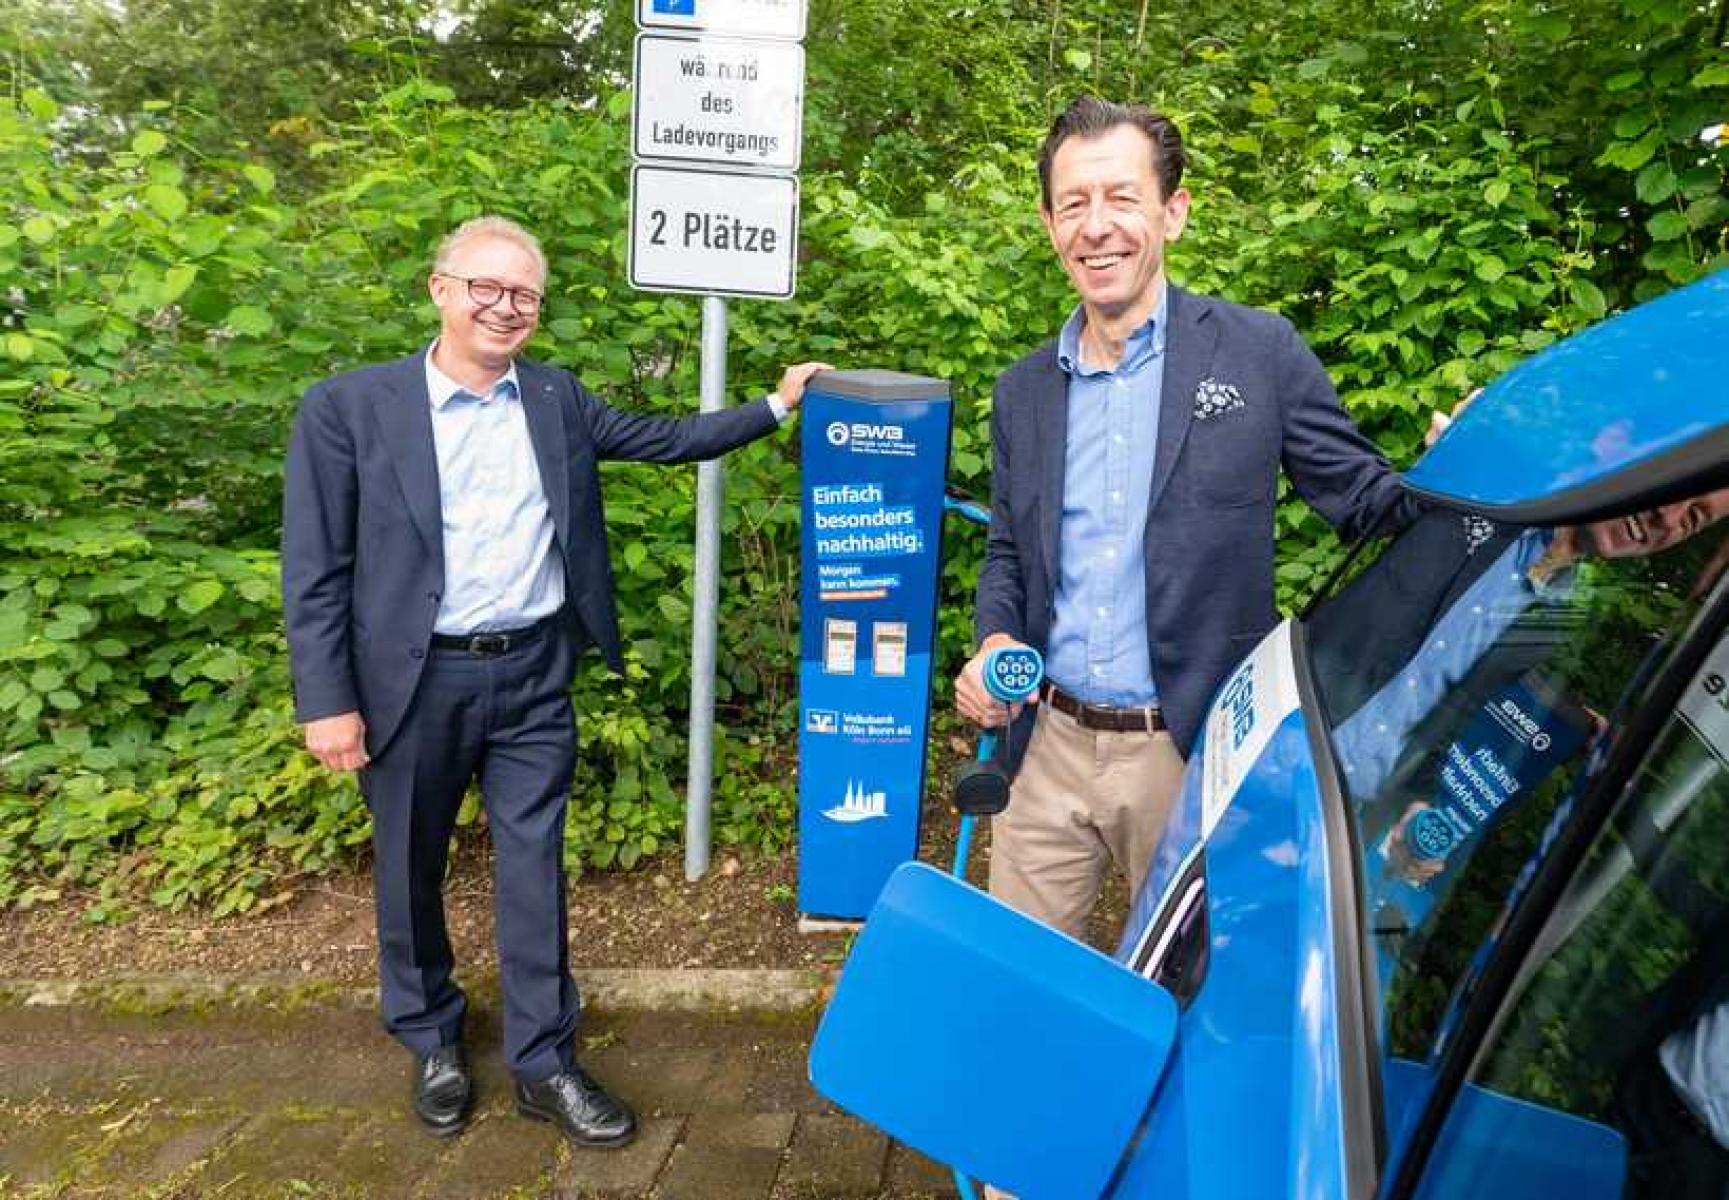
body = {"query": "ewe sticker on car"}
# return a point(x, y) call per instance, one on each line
point(1256, 698)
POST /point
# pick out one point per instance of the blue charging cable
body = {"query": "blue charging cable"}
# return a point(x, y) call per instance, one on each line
point(1011, 674)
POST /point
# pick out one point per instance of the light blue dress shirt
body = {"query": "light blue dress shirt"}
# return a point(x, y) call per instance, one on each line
point(1099, 648)
point(500, 571)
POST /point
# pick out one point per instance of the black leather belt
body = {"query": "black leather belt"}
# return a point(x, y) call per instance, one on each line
point(493, 642)
point(1102, 717)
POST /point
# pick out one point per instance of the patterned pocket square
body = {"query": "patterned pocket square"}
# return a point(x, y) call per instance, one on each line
point(1213, 399)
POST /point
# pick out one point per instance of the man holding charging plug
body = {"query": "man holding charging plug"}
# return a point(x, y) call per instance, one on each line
point(1134, 477)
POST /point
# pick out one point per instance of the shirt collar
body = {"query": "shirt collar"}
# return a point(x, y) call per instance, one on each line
point(1145, 343)
point(442, 389)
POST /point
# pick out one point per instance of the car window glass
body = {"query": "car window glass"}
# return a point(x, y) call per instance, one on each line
point(1465, 675)
point(1620, 1014)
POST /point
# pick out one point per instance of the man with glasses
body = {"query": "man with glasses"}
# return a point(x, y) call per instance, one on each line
point(444, 565)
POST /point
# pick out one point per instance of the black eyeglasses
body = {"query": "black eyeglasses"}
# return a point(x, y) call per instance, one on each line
point(486, 293)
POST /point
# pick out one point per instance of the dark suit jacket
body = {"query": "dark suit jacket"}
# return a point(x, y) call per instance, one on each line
point(362, 544)
point(1209, 536)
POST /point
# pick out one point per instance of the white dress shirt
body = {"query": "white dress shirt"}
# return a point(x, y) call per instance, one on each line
point(500, 571)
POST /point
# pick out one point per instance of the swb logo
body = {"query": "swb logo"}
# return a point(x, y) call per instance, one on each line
point(840, 433)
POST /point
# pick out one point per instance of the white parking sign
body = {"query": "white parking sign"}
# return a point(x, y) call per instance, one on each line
point(731, 101)
point(713, 232)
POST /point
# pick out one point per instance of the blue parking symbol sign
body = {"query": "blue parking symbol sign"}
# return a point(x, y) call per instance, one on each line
point(675, 8)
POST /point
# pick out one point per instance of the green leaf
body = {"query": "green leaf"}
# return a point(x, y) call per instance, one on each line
point(65, 701)
point(20, 346)
point(1623, 81)
point(1496, 191)
point(1700, 181)
point(175, 281)
point(1667, 226)
point(1707, 213)
point(72, 317)
point(249, 320)
point(168, 200)
point(1551, 27)
point(47, 679)
point(149, 143)
point(554, 175)
point(1588, 298)
point(1489, 268)
point(39, 229)
point(1632, 123)
point(260, 178)
point(1655, 184)
point(200, 596)
point(1630, 156)
point(1715, 75)
point(40, 104)
point(1080, 60)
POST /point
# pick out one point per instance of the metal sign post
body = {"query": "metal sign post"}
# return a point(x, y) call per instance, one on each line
point(734, 100)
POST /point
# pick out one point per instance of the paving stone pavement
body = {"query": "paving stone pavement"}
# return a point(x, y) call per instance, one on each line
point(251, 1103)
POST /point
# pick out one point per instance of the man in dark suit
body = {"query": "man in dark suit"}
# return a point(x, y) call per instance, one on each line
point(1134, 476)
point(444, 565)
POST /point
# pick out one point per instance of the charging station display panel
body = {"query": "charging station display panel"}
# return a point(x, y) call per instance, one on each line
point(875, 452)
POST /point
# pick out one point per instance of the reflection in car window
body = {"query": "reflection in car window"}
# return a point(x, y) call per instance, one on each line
point(1465, 675)
point(1621, 1012)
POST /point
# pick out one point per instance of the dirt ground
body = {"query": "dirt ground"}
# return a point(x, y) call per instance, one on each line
point(742, 914)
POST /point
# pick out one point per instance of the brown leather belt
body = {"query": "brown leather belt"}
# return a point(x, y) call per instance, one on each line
point(1102, 717)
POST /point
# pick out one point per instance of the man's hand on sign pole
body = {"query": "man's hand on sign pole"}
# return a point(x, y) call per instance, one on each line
point(973, 701)
point(793, 380)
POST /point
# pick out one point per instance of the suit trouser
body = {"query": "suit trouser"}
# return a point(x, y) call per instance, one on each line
point(1081, 800)
point(507, 721)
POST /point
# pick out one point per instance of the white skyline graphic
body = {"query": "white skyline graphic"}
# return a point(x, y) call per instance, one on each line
point(859, 805)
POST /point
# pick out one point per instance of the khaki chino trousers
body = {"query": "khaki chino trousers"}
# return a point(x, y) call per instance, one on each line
point(1083, 799)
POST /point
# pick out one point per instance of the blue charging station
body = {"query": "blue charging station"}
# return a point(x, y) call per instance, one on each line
point(875, 448)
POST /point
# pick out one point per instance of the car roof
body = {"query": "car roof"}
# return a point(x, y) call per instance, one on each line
point(1630, 412)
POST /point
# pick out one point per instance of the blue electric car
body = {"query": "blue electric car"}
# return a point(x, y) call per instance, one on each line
point(1444, 907)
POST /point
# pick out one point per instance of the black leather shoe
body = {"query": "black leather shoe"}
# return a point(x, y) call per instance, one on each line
point(442, 1090)
point(586, 1112)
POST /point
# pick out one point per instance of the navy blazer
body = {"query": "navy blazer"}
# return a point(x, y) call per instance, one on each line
point(1267, 404)
point(362, 528)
